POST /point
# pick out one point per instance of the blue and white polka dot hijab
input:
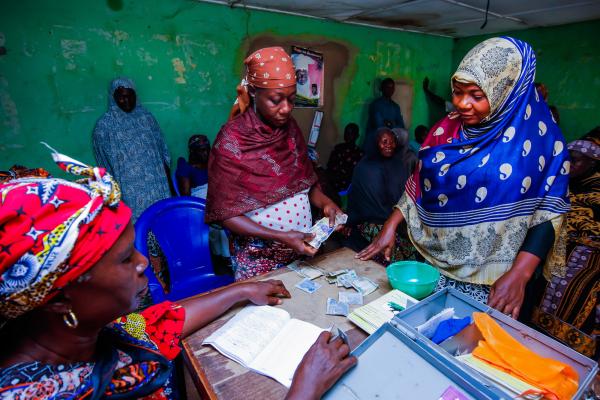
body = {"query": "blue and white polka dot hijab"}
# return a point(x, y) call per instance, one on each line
point(478, 189)
point(513, 163)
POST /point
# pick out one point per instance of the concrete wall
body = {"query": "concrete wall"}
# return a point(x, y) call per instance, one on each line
point(568, 63)
point(186, 59)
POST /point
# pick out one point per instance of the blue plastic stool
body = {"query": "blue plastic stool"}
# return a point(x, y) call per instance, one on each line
point(178, 225)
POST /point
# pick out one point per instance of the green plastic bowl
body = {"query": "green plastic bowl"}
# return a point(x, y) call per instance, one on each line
point(414, 278)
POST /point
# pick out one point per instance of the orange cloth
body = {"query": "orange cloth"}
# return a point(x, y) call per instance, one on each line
point(556, 380)
point(269, 68)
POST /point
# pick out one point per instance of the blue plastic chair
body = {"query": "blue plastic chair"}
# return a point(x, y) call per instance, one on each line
point(178, 225)
point(175, 183)
point(344, 197)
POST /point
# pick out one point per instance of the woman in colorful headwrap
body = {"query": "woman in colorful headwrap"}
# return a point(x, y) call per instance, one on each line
point(570, 307)
point(488, 198)
point(261, 183)
point(70, 279)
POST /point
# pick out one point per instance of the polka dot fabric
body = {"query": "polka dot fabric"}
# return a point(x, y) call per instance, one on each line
point(290, 214)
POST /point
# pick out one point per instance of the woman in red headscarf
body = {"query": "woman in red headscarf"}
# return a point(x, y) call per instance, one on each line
point(70, 280)
point(261, 182)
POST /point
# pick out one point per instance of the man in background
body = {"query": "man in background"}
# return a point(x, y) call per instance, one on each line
point(383, 112)
point(127, 141)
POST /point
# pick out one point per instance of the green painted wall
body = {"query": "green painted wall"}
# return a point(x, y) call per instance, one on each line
point(185, 58)
point(568, 62)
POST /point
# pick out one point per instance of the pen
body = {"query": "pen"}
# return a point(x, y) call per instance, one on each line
point(395, 306)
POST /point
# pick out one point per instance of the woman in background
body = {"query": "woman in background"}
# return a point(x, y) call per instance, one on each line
point(193, 173)
point(344, 158)
point(569, 309)
point(377, 184)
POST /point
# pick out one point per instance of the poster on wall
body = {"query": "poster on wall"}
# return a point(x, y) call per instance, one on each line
point(309, 77)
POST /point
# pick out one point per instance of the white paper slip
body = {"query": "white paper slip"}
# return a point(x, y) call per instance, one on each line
point(267, 340)
point(374, 314)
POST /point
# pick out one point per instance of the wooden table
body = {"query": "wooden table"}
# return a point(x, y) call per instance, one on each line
point(218, 377)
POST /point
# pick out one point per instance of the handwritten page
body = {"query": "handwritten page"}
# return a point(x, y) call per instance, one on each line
point(281, 357)
point(245, 335)
point(266, 340)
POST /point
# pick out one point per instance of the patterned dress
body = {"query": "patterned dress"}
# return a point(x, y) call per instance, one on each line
point(570, 308)
point(253, 256)
point(135, 361)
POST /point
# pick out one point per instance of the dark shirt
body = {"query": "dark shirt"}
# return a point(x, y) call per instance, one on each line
point(382, 112)
point(377, 185)
point(197, 176)
point(342, 161)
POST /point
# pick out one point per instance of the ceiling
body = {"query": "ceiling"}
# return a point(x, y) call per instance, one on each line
point(455, 18)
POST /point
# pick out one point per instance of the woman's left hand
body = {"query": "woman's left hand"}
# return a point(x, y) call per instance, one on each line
point(507, 293)
point(330, 210)
point(266, 292)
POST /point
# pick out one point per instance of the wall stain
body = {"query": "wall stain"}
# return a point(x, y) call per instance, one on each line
point(146, 57)
point(120, 36)
point(179, 69)
point(162, 38)
point(10, 112)
point(70, 49)
point(205, 81)
point(115, 5)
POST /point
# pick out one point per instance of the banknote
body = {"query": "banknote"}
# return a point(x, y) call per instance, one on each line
point(346, 279)
point(308, 285)
point(350, 298)
point(310, 272)
point(322, 230)
point(334, 307)
point(364, 286)
point(332, 274)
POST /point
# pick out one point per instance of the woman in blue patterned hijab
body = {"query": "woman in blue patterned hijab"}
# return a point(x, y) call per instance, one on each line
point(128, 142)
point(491, 183)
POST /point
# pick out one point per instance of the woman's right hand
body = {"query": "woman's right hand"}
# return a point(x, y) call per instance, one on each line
point(324, 363)
point(297, 241)
point(384, 240)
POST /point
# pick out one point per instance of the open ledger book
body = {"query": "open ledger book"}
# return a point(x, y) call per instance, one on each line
point(267, 340)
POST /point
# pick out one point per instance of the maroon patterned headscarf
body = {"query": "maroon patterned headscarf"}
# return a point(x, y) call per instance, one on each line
point(253, 165)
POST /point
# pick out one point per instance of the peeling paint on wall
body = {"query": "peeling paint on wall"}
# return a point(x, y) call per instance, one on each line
point(162, 38)
point(185, 58)
point(70, 49)
point(179, 69)
point(121, 36)
point(146, 57)
point(205, 81)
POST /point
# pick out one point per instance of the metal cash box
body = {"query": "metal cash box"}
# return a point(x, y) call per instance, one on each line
point(397, 362)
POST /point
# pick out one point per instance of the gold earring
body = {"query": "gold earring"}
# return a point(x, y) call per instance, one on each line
point(70, 319)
